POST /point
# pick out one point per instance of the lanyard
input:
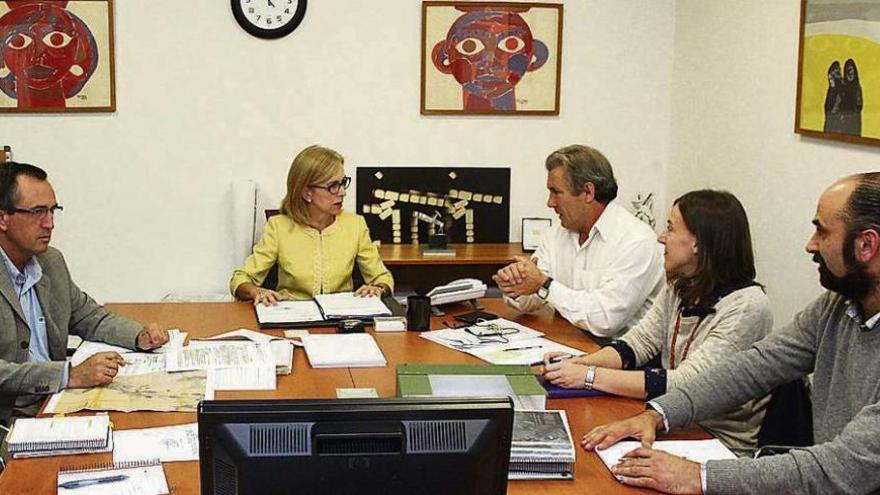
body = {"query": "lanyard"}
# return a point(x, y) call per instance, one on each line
point(687, 346)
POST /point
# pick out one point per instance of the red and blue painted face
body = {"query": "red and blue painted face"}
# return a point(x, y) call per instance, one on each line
point(488, 52)
point(43, 45)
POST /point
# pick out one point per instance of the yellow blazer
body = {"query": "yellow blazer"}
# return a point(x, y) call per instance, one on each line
point(312, 262)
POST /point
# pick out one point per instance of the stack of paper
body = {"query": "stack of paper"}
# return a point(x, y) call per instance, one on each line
point(542, 447)
point(343, 350)
point(281, 348)
point(231, 364)
point(38, 437)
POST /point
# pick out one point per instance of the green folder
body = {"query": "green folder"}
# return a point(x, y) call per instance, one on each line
point(414, 380)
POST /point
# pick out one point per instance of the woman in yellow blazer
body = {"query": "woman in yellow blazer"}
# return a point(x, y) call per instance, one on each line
point(314, 242)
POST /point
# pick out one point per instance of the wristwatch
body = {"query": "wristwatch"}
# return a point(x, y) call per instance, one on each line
point(544, 290)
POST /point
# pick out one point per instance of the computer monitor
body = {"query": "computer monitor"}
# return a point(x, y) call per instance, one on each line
point(422, 446)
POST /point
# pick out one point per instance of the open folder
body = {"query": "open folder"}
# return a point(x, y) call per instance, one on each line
point(325, 310)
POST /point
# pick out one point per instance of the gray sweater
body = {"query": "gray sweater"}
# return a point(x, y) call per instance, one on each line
point(845, 357)
point(740, 319)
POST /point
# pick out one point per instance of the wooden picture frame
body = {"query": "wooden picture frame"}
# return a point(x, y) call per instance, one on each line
point(79, 76)
point(838, 50)
point(510, 71)
point(533, 229)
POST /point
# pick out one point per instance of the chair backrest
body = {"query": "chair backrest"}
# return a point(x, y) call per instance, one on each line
point(789, 417)
point(271, 280)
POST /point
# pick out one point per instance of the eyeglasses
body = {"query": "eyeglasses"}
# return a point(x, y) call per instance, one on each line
point(39, 212)
point(484, 333)
point(334, 187)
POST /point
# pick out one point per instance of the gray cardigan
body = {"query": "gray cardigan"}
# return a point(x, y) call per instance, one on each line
point(740, 319)
point(845, 359)
point(68, 310)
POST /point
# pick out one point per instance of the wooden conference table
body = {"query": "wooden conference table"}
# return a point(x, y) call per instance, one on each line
point(38, 476)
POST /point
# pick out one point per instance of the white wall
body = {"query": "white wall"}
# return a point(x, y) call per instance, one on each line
point(733, 108)
point(201, 104)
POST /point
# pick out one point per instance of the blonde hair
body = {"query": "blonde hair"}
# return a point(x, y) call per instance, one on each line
point(313, 165)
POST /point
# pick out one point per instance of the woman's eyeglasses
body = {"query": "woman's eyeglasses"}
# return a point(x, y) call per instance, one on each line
point(335, 186)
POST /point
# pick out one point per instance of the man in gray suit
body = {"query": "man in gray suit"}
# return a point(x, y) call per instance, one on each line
point(41, 305)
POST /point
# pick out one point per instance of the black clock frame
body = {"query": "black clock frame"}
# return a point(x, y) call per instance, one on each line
point(259, 32)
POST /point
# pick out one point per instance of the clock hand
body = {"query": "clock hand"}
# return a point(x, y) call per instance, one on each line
point(271, 4)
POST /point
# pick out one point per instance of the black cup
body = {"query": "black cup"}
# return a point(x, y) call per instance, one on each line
point(418, 313)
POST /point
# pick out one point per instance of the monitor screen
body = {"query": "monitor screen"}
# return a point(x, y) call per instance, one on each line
point(423, 446)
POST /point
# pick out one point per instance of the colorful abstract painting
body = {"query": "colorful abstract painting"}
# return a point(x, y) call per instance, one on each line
point(56, 56)
point(491, 58)
point(839, 71)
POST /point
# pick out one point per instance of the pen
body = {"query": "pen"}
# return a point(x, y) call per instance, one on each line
point(524, 348)
point(556, 359)
point(74, 484)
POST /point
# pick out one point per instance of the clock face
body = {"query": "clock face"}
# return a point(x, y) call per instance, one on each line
point(269, 18)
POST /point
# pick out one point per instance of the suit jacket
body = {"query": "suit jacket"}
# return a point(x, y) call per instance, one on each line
point(68, 310)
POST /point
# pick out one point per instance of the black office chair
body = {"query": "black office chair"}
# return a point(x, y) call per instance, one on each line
point(271, 280)
point(789, 417)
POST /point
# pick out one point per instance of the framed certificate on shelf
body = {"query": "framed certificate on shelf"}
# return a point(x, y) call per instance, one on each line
point(532, 230)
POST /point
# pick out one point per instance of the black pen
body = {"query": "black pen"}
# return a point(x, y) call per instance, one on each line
point(523, 348)
point(73, 484)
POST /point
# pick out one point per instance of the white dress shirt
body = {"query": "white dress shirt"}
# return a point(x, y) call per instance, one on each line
point(605, 285)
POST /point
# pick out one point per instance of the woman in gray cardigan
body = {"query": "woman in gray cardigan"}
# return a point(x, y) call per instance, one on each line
point(710, 308)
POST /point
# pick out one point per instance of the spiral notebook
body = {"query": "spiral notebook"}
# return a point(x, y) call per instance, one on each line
point(68, 433)
point(121, 478)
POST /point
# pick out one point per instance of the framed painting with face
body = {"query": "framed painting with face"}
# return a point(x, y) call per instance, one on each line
point(56, 56)
point(497, 58)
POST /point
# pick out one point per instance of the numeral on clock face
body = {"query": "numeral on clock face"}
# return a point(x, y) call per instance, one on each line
point(269, 14)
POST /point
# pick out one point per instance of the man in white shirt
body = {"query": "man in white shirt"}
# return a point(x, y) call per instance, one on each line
point(600, 267)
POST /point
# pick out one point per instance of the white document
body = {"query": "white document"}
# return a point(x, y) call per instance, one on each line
point(289, 312)
point(165, 443)
point(141, 363)
point(343, 304)
point(692, 450)
point(343, 350)
point(202, 355)
point(528, 352)
point(487, 334)
point(260, 377)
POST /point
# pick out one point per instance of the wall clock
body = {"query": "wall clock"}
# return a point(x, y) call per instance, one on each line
point(269, 18)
